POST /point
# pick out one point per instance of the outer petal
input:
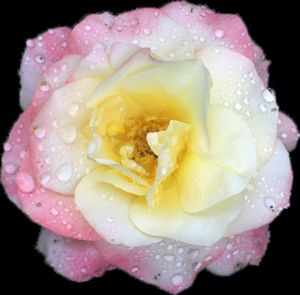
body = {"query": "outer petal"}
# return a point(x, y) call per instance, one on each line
point(40, 53)
point(14, 151)
point(245, 249)
point(208, 28)
point(287, 132)
point(261, 64)
point(52, 210)
point(169, 265)
point(76, 260)
point(60, 136)
point(267, 195)
point(106, 209)
point(237, 86)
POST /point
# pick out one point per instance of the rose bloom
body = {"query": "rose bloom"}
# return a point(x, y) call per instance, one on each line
point(149, 142)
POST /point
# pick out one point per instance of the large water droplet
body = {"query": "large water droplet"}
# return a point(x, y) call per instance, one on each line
point(54, 212)
point(169, 257)
point(68, 134)
point(270, 203)
point(192, 254)
point(73, 109)
point(177, 279)
point(25, 182)
point(219, 33)
point(64, 172)
point(40, 132)
point(40, 59)
point(268, 96)
point(10, 168)
point(7, 147)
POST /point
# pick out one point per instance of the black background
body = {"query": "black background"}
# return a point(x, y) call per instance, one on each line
point(273, 26)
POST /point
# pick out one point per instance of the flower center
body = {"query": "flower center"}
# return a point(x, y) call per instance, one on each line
point(134, 149)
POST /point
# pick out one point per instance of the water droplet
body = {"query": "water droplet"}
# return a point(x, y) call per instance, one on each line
point(44, 86)
point(54, 212)
point(44, 179)
point(73, 109)
point(147, 31)
point(163, 171)
point(64, 68)
point(263, 108)
point(87, 28)
point(284, 135)
point(170, 247)
point(7, 147)
point(40, 59)
point(25, 182)
point(169, 257)
point(270, 203)
point(229, 246)
point(68, 134)
point(134, 269)
point(237, 106)
point(22, 154)
point(192, 254)
point(268, 96)
point(110, 219)
point(177, 279)
point(197, 265)
point(10, 168)
point(30, 43)
point(180, 250)
point(40, 132)
point(64, 172)
point(219, 34)
point(171, 53)
point(83, 270)
point(68, 226)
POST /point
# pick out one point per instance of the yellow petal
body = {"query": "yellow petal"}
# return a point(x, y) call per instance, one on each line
point(179, 90)
point(202, 185)
point(106, 208)
point(168, 219)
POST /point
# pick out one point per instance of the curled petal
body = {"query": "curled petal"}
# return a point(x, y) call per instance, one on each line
point(40, 53)
point(241, 250)
point(76, 260)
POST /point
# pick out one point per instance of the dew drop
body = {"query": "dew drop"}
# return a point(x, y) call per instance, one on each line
point(69, 227)
point(68, 134)
point(147, 31)
point(40, 59)
point(171, 53)
point(180, 250)
point(64, 172)
point(196, 266)
point(10, 168)
point(54, 212)
point(269, 202)
point(283, 135)
point(219, 34)
point(44, 179)
point(177, 279)
point(40, 132)
point(229, 246)
point(30, 43)
point(73, 109)
point(25, 182)
point(87, 28)
point(134, 270)
point(263, 108)
point(44, 86)
point(169, 257)
point(83, 270)
point(237, 106)
point(7, 147)
point(268, 96)
point(192, 254)
point(110, 219)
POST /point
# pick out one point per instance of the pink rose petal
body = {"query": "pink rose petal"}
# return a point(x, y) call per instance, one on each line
point(261, 64)
point(242, 250)
point(76, 260)
point(287, 131)
point(211, 29)
point(54, 211)
point(40, 53)
point(169, 265)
